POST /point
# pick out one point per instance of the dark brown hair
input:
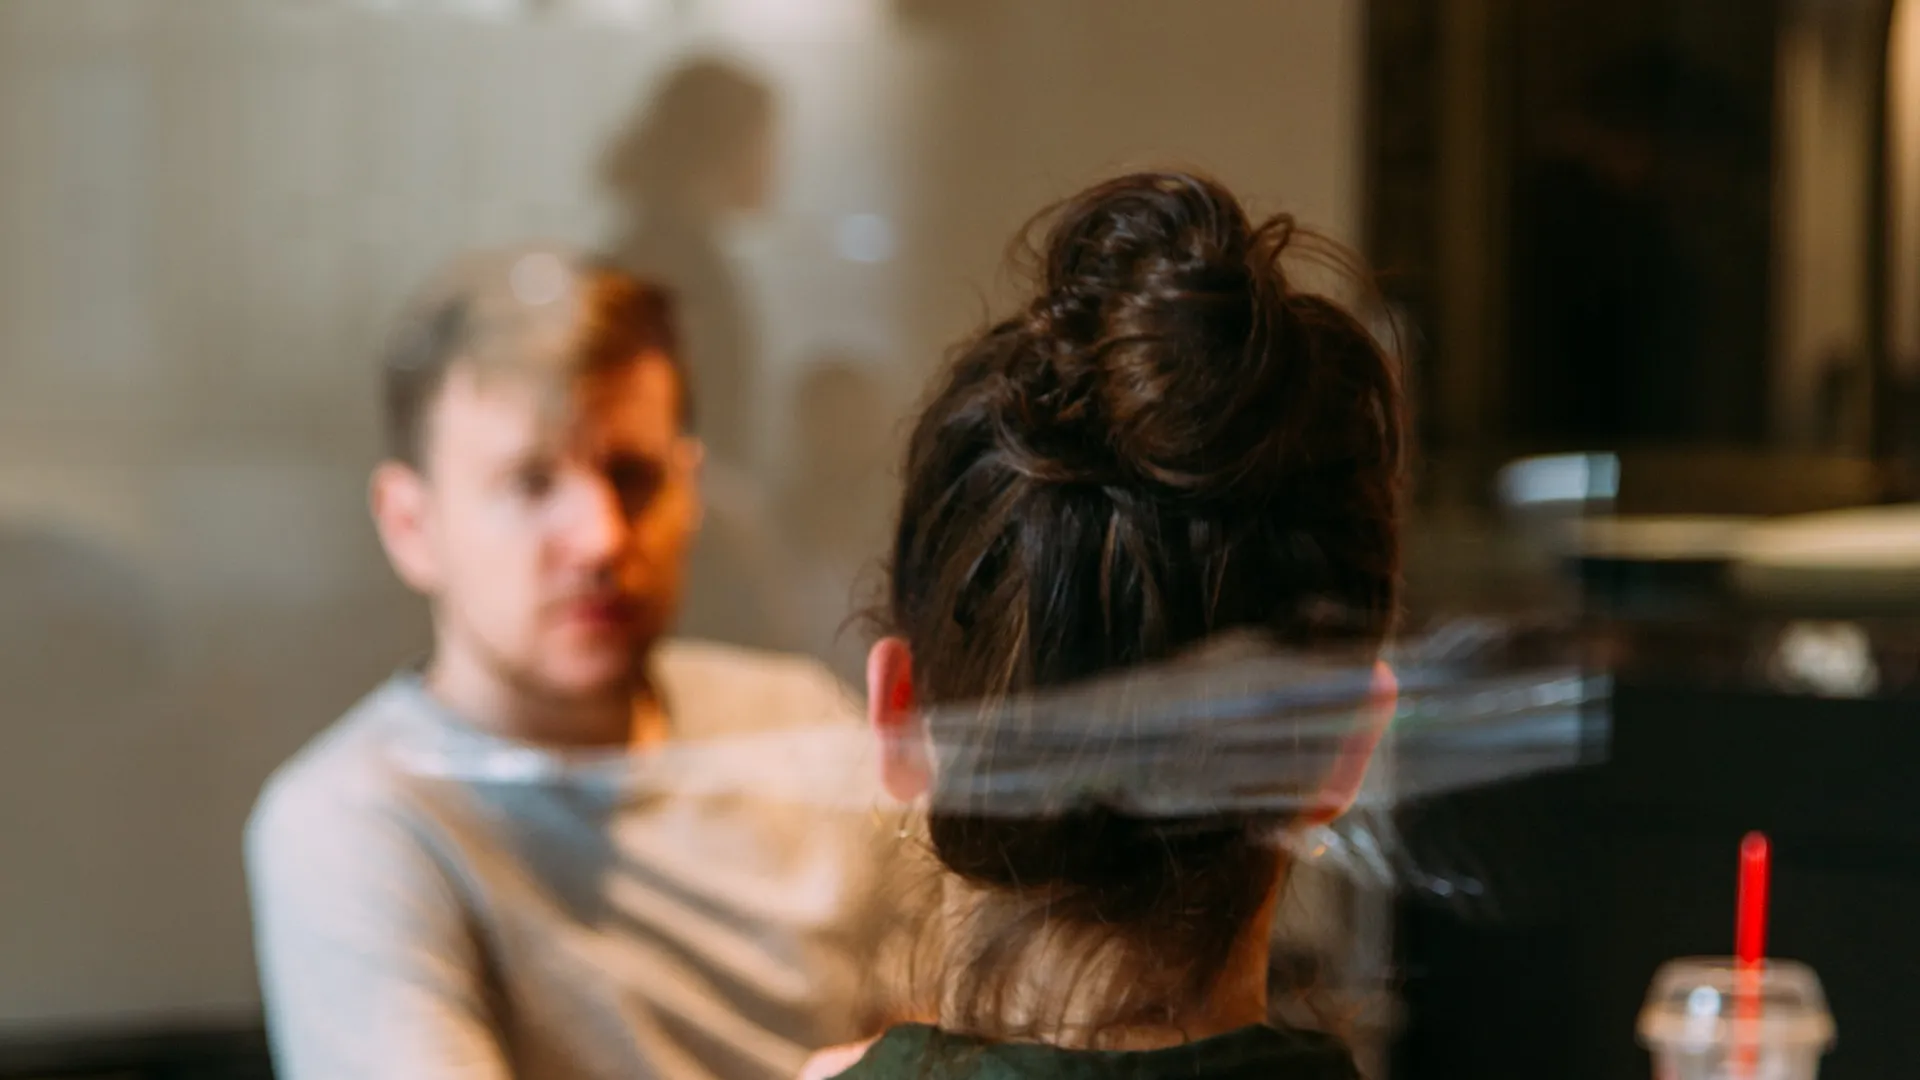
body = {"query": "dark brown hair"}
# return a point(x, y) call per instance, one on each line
point(1170, 441)
point(621, 317)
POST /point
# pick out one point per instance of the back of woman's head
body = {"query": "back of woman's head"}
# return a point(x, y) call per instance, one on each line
point(1170, 441)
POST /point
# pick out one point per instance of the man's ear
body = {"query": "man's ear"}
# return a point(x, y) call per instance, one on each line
point(398, 497)
point(906, 767)
point(1342, 785)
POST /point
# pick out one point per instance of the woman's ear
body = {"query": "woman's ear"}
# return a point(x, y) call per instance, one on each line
point(906, 769)
point(1342, 785)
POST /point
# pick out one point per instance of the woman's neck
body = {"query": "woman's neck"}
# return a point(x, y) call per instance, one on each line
point(1055, 970)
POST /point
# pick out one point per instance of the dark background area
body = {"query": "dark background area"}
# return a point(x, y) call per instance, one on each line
point(1573, 203)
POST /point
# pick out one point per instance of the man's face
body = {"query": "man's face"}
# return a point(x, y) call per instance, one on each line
point(553, 541)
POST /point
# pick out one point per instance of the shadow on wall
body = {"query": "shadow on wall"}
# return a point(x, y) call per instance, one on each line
point(83, 674)
point(696, 154)
point(834, 503)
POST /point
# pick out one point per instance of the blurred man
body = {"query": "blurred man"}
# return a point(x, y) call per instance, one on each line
point(515, 861)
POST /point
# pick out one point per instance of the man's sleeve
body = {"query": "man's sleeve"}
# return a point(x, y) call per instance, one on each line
point(368, 965)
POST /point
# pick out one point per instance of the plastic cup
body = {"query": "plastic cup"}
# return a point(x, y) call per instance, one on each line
point(1698, 1027)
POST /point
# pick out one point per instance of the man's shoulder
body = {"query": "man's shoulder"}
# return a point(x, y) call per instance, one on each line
point(726, 689)
point(342, 779)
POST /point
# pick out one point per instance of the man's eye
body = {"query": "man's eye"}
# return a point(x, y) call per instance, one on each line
point(534, 481)
point(636, 481)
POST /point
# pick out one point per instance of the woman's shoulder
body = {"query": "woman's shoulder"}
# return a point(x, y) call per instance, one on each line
point(904, 1051)
point(919, 1052)
point(834, 1060)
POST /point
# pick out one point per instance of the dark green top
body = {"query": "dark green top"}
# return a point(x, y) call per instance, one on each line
point(918, 1052)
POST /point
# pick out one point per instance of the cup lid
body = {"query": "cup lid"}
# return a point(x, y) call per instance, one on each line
point(1692, 1004)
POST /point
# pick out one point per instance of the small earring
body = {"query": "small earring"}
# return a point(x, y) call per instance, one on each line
point(907, 817)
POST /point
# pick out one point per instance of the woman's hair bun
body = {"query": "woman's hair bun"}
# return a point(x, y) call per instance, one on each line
point(1153, 236)
point(1164, 307)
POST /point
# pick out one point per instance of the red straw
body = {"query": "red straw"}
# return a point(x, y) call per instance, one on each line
point(1750, 924)
point(1749, 951)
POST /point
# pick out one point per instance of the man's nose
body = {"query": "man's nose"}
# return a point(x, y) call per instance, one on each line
point(596, 526)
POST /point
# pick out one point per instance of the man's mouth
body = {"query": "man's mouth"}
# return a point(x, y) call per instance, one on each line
point(601, 612)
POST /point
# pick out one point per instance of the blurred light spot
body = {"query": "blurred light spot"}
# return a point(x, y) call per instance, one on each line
point(1560, 478)
point(1703, 1001)
point(776, 19)
point(620, 11)
point(538, 279)
point(485, 9)
point(1831, 659)
point(864, 238)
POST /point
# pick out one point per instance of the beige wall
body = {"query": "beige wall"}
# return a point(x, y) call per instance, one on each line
point(1037, 98)
point(210, 207)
